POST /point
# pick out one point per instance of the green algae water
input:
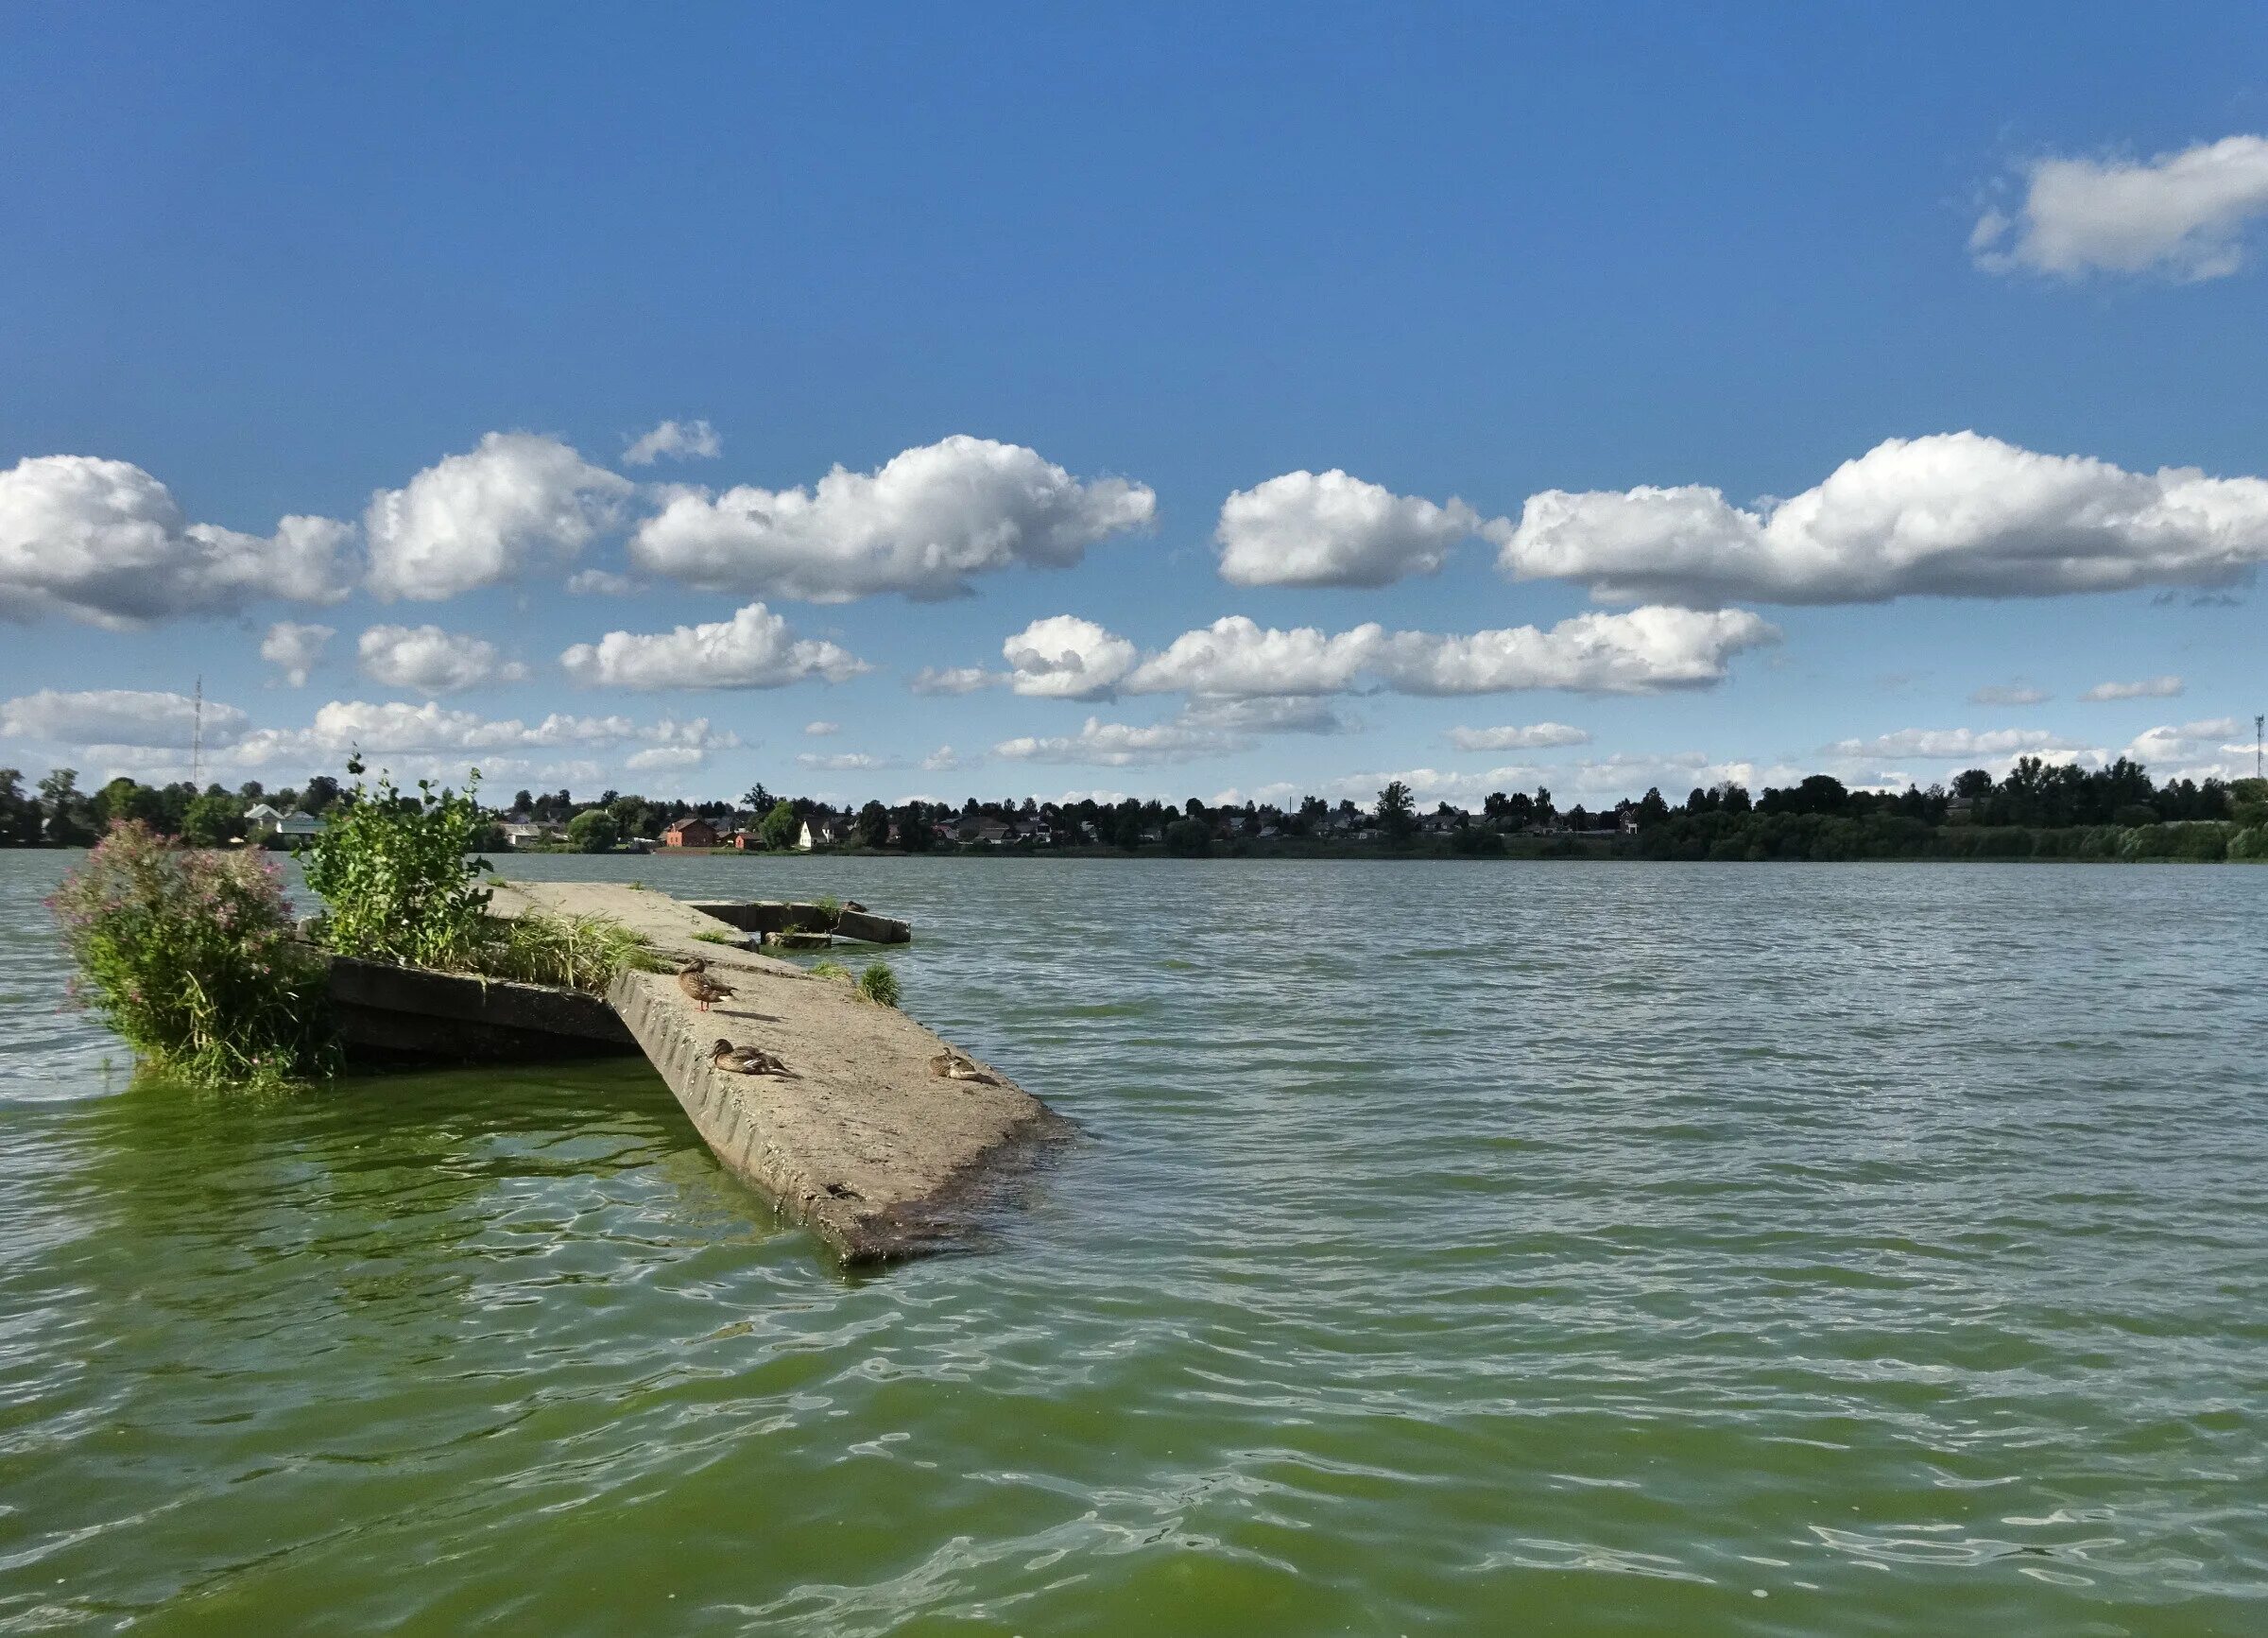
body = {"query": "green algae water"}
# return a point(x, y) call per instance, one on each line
point(1489, 1247)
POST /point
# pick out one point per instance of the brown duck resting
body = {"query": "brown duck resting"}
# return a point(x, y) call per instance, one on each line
point(693, 979)
point(955, 1064)
point(745, 1060)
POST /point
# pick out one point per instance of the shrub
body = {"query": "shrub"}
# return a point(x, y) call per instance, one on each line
point(191, 957)
point(831, 970)
point(1189, 838)
point(877, 984)
point(2249, 844)
point(395, 873)
point(830, 909)
point(780, 827)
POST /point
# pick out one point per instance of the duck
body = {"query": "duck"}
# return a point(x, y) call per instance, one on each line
point(693, 979)
point(955, 1064)
point(745, 1060)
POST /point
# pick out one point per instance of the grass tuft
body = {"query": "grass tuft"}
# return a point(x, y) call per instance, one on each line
point(577, 952)
point(877, 984)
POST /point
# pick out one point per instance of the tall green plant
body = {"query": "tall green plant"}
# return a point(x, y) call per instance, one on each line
point(397, 873)
point(190, 956)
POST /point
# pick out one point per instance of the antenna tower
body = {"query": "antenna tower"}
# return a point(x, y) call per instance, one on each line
point(2259, 722)
point(196, 736)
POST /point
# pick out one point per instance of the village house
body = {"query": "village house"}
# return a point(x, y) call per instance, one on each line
point(821, 829)
point(261, 820)
point(691, 833)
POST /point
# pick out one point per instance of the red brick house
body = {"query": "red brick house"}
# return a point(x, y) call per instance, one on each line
point(690, 833)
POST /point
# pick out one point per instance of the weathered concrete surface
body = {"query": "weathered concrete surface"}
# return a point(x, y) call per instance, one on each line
point(862, 1142)
point(779, 915)
point(407, 1013)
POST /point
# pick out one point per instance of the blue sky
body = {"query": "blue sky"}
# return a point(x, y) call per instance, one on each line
point(1083, 278)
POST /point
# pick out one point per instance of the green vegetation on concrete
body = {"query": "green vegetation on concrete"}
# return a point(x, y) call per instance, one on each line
point(575, 952)
point(400, 885)
point(877, 984)
point(190, 956)
point(395, 871)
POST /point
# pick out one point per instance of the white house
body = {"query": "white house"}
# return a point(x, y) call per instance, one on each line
point(261, 820)
point(820, 831)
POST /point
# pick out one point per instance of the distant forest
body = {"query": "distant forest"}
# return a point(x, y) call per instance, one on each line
point(2037, 810)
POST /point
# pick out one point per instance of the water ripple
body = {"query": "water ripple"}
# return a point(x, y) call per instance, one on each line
point(1580, 1248)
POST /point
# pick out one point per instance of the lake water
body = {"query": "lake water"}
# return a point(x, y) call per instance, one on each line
point(1462, 1247)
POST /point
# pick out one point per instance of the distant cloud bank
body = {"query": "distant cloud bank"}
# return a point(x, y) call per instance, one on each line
point(2148, 688)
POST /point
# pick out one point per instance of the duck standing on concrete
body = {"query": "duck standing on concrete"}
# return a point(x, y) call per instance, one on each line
point(693, 979)
point(745, 1060)
point(955, 1064)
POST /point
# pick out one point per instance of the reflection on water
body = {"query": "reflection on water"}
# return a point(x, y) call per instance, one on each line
point(1496, 1248)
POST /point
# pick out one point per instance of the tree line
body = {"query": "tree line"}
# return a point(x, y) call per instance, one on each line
point(1818, 816)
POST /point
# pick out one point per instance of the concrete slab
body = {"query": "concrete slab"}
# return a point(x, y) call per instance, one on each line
point(861, 1139)
point(406, 1014)
point(781, 916)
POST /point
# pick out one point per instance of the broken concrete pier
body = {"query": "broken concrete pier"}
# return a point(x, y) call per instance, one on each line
point(860, 1139)
point(777, 916)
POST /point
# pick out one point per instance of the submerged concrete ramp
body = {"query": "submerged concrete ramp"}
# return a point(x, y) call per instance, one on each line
point(781, 916)
point(860, 1140)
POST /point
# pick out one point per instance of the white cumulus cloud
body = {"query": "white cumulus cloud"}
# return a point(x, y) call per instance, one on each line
point(1640, 651)
point(2182, 214)
point(680, 439)
point(432, 660)
point(482, 517)
point(1953, 514)
point(1065, 656)
point(1535, 736)
point(1236, 655)
point(103, 541)
point(820, 729)
point(753, 649)
point(922, 525)
point(2214, 748)
point(295, 648)
point(119, 716)
point(2148, 688)
point(1635, 651)
point(391, 729)
point(843, 761)
point(1328, 528)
